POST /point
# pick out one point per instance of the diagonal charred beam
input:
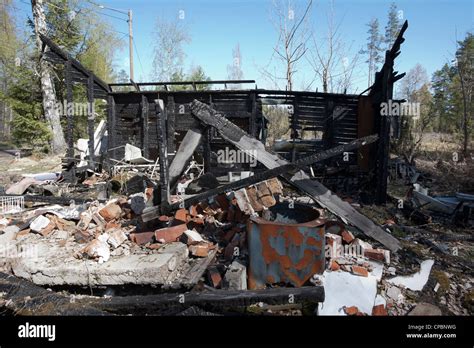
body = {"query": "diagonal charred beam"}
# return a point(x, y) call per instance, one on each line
point(322, 195)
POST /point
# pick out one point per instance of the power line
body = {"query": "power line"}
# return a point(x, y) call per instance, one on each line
point(139, 60)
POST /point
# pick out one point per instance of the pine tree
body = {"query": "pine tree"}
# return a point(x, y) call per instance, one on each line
point(373, 48)
point(393, 26)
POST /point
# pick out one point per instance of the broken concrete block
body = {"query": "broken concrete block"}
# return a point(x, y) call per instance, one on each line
point(40, 223)
point(243, 201)
point(170, 234)
point(110, 212)
point(99, 220)
point(236, 276)
point(363, 244)
point(334, 243)
point(116, 237)
point(86, 218)
point(192, 237)
point(423, 309)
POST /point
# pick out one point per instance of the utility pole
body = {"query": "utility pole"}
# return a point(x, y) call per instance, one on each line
point(130, 34)
point(130, 43)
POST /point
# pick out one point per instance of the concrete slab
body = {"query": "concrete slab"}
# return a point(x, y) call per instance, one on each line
point(52, 263)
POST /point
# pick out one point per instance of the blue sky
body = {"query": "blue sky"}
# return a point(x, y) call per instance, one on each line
point(217, 26)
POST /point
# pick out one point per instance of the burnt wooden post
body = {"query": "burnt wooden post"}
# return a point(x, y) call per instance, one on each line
point(328, 134)
point(163, 150)
point(253, 115)
point(70, 111)
point(171, 115)
point(90, 119)
point(111, 126)
point(382, 92)
point(384, 132)
point(144, 117)
point(295, 127)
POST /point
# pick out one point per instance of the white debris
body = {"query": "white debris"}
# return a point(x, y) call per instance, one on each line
point(116, 237)
point(415, 281)
point(39, 223)
point(345, 289)
point(193, 236)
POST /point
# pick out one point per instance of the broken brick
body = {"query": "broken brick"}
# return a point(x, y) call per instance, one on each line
point(360, 271)
point(142, 237)
point(379, 310)
point(222, 201)
point(181, 215)
point(111, 225)
point(352, 310)
point(214, 277)
point(347, 236)
point(374, 254)
point(110, 212)
point(170, 234)
point(154, 246)
point(201, 249)
point(335, 266)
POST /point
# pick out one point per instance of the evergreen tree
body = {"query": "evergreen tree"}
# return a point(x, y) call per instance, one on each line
point(373, 48)
point(393, 26)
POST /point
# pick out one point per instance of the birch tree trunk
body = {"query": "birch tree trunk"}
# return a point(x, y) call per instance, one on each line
point(58, 143)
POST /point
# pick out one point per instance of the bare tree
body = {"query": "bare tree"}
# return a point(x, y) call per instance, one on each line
point(234, 70)
point(292, 26)
point(168, 60)
point(415, 89)
point(329, 60)
point(58, 143)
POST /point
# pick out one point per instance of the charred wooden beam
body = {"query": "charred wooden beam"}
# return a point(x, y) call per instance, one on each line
point(171, 125)
point(145, 117)
point(163, 149)
point(70, 111)
point(76, 65)
point(90, 120)
point(301, 180)
point(111, 127)
point(217, 299)
point(25, 298)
